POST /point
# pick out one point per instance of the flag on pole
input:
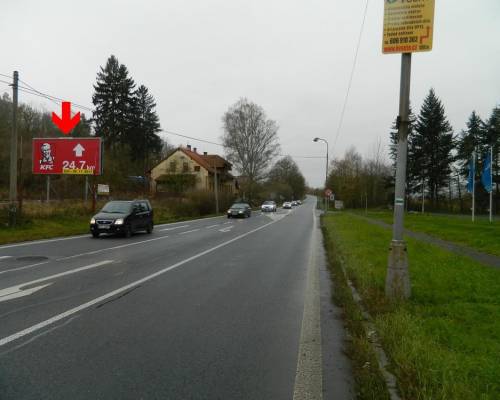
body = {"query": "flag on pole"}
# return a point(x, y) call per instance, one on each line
point(486, 175)
point(472, 174)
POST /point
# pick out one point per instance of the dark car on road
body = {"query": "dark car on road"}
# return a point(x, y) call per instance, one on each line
point(239, 210)
point(123, 217)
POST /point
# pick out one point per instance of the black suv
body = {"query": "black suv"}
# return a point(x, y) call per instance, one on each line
point(125, 217)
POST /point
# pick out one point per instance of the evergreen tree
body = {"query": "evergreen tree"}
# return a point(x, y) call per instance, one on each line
point(393, 151)
point(142, 139)
point(491, 137)
point(470, 140)
point(113, 101)
point(432, 146)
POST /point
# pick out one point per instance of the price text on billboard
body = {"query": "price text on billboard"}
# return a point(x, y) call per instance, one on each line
point(408, 26)
point(74, 156)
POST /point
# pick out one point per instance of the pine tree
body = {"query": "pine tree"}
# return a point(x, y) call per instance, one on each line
point(491, 137)
point(469, 141)
point(113, 101)
point(142, 139)
point(393, 148)
point(432, 144)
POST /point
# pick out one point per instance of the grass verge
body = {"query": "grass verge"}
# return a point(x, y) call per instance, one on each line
point(444, 343)
point(369, 383)
point(42, 222)
point(480, 235)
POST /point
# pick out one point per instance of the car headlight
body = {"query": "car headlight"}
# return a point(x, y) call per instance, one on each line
point(240, 212)
point(119, 221)
point(92, 220)
point(229, 211)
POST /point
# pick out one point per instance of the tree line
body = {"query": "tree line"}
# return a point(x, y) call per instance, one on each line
point(437, 165)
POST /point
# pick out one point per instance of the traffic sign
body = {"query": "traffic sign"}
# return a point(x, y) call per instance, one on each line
point(74, 156)
point(328, 192)
point(408, 26)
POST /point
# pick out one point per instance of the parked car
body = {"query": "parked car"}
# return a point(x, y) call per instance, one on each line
point(268, 206)
point(299, 202)
point(239, 210)
point(294, 203)
point(123, 217)
point(287, 205)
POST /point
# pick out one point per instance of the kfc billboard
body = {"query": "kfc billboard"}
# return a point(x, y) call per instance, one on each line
point(75, 156)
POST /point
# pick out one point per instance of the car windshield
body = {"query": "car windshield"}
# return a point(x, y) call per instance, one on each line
point(239, 206)
point(269, 203)
point(116, 207)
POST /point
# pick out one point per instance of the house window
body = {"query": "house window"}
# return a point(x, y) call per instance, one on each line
point(197, 168)
point(173, 166)
point(185, 167)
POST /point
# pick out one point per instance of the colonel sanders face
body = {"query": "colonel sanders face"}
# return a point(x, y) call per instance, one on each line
point(47, 157)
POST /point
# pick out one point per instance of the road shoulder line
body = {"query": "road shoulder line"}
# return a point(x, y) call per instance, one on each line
point(309, 375)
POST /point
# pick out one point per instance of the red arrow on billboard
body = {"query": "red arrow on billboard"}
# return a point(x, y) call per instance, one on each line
point(66, 123)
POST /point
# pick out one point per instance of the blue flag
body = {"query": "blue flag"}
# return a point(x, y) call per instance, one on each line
point(486, 175)
point(470, 179)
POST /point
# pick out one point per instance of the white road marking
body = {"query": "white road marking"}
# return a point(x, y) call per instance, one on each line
point(175, 227)
point(41, 242)
point(226, 229)
point(212, 226)
point(308, 377)
point(15, 292)
point(84, 254)
point(5, 257)
point(225, 223)
point(18, 288)
point(50, 321)
point(192, 230)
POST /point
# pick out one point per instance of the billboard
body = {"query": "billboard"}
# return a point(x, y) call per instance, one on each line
point(408, 26)
point(72, 156)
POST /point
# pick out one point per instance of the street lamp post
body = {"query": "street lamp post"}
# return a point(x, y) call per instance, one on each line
point(317, 139)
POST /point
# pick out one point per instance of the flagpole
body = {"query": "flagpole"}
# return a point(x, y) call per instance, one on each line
point(473, 184)
point(491, 184)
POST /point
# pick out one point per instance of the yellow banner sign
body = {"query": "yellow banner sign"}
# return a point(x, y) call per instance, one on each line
point(408, 26)
point(77, 171)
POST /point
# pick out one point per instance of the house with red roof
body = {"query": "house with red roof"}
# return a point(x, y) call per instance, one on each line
point(185, 169)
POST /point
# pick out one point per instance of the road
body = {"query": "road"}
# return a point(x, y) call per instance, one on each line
point(207, 309)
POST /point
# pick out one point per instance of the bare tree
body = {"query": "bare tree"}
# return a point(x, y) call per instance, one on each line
point(250, 140)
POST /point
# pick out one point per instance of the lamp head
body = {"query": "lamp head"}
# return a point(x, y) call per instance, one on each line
point(315, 139)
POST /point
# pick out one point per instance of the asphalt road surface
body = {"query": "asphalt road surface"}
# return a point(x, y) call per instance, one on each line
point(208, 309)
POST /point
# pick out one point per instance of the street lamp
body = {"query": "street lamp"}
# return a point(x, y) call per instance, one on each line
point(317, 139)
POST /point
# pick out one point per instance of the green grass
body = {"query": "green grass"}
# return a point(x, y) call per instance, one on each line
point(444, 342)
point(480, 235)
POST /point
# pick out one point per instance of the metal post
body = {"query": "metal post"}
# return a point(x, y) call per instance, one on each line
point(398, 280)
point(474, 186)
point(86, 188)
point(13, 156)
point(423, 195)
point(491, 184)
point(216, 190)
point(48, 188)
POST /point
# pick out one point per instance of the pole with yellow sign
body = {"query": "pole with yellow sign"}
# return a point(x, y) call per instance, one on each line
point(408, 27)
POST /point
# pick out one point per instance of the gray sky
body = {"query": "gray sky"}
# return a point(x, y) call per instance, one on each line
point(292, 57)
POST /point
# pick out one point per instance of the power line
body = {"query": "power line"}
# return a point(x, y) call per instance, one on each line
point(221, 145)
point(50, 97)
point(7, 76)
point(352, 74)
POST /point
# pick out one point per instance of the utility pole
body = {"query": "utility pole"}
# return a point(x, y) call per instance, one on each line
point(13, 156)
point(397, 283)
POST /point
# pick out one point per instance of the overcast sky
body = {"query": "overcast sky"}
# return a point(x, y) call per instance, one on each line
point(292, 57)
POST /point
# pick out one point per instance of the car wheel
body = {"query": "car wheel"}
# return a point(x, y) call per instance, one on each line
point(149, 229)
point(128, 231)
point(95, 234)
